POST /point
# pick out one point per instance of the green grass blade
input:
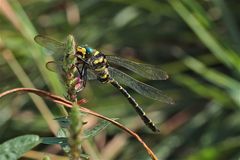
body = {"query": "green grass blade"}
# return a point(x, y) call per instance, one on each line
point(226, 55)
point(29, 32)
point(207, 91)
point(229, 22)
point(229, 84)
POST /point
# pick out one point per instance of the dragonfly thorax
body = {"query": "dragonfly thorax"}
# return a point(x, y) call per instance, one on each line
point(98, 63)
point(95, 60)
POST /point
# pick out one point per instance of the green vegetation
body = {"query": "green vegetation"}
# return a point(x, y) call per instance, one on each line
point(195, 42)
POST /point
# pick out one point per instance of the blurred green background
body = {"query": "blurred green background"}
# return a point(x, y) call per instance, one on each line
point(196, 42)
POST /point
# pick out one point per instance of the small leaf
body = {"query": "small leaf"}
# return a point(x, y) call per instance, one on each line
point(63, 121)
point(97, 129)
point(62, 141)
point(54, 140)
point(16, 147)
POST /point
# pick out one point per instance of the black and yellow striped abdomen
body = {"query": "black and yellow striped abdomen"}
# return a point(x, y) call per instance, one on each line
point(137, 108)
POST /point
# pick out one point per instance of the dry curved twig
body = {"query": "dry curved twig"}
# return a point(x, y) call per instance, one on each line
point(69, 104)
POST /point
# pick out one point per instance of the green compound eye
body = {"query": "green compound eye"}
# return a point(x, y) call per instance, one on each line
point(89, 50)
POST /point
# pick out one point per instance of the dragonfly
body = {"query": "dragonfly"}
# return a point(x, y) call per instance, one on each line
point(92, 64)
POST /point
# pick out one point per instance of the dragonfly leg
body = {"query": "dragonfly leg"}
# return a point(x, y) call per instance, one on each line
point(82, 74)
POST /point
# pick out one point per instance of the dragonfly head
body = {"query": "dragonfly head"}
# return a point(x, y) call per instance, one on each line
point(88, 50)
point(84, 51)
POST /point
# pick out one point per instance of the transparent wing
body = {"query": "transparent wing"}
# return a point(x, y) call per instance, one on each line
point(145, 70)
point(56, 66)
point(50, 43)
point(91, 75)
point(141, 88)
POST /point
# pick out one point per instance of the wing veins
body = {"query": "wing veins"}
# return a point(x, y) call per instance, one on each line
point(50, 44)
point(140, 87)
point(145, 70)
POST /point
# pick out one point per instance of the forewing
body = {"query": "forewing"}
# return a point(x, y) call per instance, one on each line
point(50, 43)
point(91, 75)
point(145, 70)
point(140, 87)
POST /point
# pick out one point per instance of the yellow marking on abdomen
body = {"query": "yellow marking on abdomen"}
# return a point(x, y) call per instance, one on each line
point(100, 69)
point(104, 76)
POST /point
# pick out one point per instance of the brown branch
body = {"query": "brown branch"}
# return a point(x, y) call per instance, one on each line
point(67, 103)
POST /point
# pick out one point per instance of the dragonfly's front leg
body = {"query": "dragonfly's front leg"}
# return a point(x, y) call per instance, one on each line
point(82, 75)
